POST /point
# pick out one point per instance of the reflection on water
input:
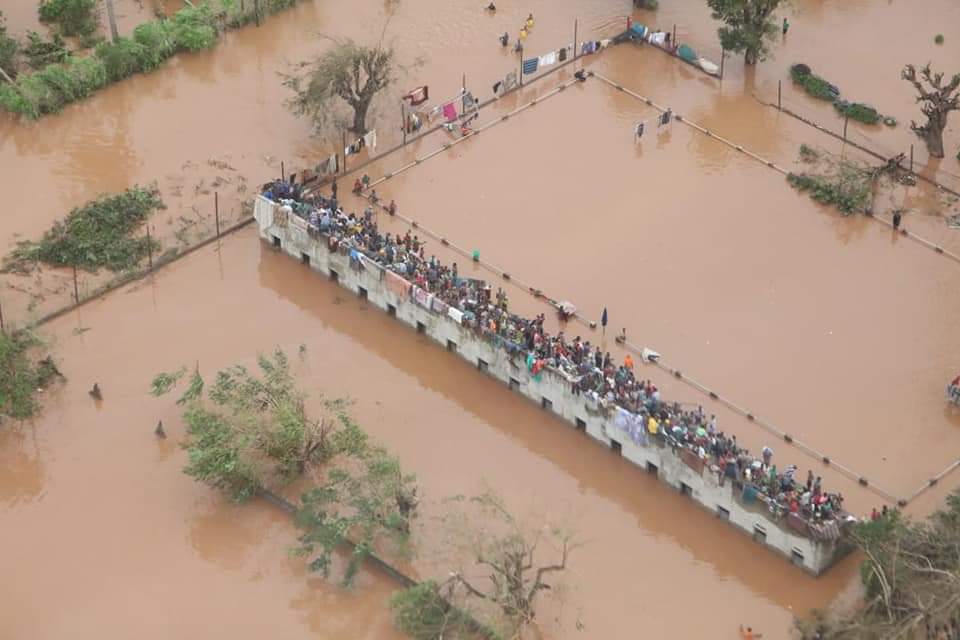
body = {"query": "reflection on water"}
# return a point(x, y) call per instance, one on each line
point(22, 474)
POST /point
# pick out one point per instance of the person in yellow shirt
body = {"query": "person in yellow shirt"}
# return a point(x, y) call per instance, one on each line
point(652, 426)
point(530, 22)
point(523, 33)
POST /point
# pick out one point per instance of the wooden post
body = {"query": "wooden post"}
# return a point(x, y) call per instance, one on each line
point(723, 56)
point(216, 210)
point(779, 95)
point(575, 49)
point(911, 158)
point(846, 121)
point(149, 248)
point(674, 41)
point(283, 173)
point(3, 327)
point(403, 120)
point(521, 65)
point(76, 289)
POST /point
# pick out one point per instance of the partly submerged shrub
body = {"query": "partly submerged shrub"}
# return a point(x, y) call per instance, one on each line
point(121, 58)
point(98, 234)
point(25, 369)
point(41, 53)
point(75, 17)
point(857, 111)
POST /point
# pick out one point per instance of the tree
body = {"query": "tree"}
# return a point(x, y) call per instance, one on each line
point(252, 431)
point(347, 73)
point(911, 579)
point(749, 26)
point(25, 369)
point(500, 578)
point(938, 100)
point(364, 500)
point(75, 17)
point(8, 52)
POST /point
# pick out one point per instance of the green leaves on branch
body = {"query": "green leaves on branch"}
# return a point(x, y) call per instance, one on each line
point(841, 182)
point(98, 234)
point(25, 368)
point(74, 17)
point(250, 430)
point(47, 91)
point(749, 26)
point(364, 500)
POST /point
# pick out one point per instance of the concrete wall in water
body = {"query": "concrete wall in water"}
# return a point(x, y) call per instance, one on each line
point(553, 392)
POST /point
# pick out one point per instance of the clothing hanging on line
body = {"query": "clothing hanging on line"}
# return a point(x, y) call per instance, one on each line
point(548, 58)
point(370, 139)
point(562, 54)
point(449, 112)
point(418, 95)
point(530, 66)
point(510, 81)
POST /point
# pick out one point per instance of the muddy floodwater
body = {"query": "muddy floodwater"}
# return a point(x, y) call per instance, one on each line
point(831, 328)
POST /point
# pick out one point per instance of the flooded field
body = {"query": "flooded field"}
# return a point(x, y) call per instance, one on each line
point(103, 475)
point(832, 328)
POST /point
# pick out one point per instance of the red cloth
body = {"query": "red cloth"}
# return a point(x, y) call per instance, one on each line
point(418, 95)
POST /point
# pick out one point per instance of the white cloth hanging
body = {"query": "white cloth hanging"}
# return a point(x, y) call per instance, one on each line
point(370, 139)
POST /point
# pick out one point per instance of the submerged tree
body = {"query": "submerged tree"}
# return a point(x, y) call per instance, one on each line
point(25, 369)
point(8, 52)
point(363, 500)
point(348, 74)
point(504, 569)
point(911, 579)
point(749, 26)
point(937, 101)
point(250, 431)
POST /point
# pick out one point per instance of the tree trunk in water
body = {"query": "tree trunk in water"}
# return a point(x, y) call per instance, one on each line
point(750, 57)
point(112, 18)
point(360, 118)
point(934, 140)
point(934, 136)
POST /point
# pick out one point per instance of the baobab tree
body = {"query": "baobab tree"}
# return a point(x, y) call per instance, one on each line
point(937, 101)
point(347, 73)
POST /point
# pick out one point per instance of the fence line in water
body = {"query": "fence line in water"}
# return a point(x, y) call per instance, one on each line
point(903, 231)
point(808, 450)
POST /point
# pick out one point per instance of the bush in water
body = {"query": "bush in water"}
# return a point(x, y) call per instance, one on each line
point(857, 111)
point(49, 89)
point(98, 234)
point(75, 17)
point(24, 369)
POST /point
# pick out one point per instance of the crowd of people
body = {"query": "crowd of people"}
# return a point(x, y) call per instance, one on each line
point(590, 370)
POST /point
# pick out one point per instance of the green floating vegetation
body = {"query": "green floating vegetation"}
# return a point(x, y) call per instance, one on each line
point(939, 38)
point(858, 111)
point(813, 84)
point(98, 234)
point(25, 369)
point(845, 185)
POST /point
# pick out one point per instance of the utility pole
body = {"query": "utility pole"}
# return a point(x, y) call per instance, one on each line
point(112, 18)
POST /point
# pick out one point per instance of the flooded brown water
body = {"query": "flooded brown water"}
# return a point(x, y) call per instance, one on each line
point(830, 327)
point(141, 524)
